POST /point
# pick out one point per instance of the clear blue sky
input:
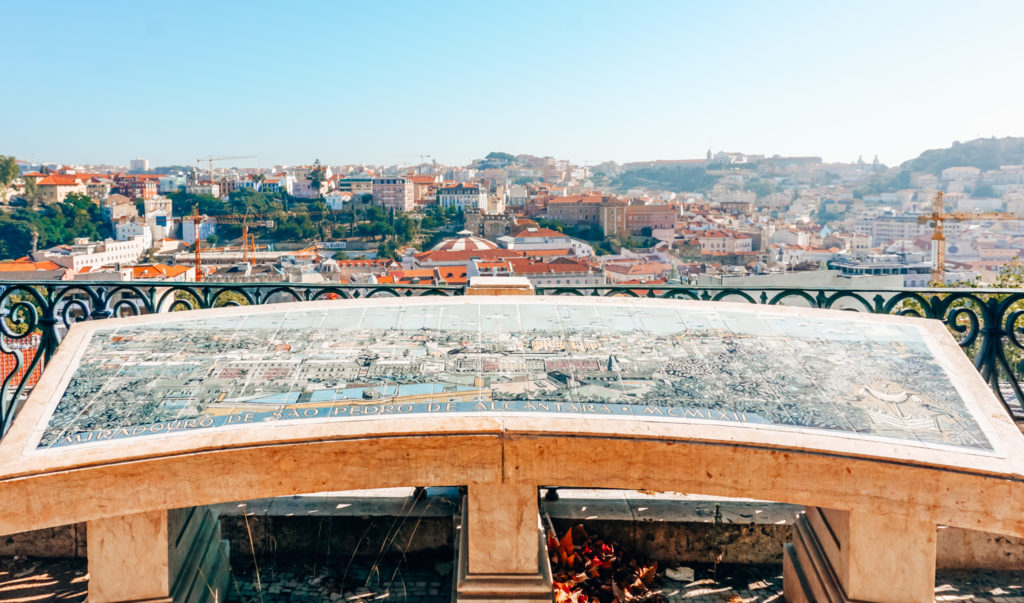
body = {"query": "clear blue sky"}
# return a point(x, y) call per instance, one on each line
point(382, 82)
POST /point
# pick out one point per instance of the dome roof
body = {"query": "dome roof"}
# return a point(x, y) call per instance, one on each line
point(465, 242)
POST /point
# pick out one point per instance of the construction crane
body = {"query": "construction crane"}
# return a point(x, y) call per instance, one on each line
point(211, 159)
point(939, 218)
point(246, 220)
point(248, 241)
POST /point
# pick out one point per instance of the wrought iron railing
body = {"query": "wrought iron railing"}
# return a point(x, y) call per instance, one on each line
point(36, 315)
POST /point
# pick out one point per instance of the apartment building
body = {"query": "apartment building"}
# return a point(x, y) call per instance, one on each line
point(462, 197)
point(723, 241)
point(91, 254)
point(576, 210)
point(136, 187)
point(889, 227)
point(654, 217)
point(425, 189)
point(54, 188)
point(118, 206)
point(397, 193)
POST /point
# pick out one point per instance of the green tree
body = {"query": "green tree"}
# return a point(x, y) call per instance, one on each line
point(15, 238)
point(9, 172)
point(317, 176)
point(388, 249)
point(32, 194)
point(552, 224)
point(406, 228)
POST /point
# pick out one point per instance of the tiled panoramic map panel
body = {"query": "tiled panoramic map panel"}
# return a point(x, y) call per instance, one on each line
point(848, 377)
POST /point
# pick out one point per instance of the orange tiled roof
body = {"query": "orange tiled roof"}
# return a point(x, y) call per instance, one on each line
point(59, 180)
point(526, 266)
point(157, 271)
point(25, 266)
point(576, 199)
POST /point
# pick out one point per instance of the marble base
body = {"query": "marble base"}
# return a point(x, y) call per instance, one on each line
point(162, 556)
point(199, 560)
point(840, 557)
point(500, 587)
point(807, 575)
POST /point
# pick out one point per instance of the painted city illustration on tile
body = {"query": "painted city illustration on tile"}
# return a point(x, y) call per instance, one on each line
point(847, 377)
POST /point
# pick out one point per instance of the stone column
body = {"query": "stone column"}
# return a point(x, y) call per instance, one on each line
point(860, 556)
point(128, 558)
point(500, 544)
point(890, 559)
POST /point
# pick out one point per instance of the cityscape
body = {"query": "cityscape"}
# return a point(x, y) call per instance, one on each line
point(580, 302)
point(848, 377)
point(951, 216)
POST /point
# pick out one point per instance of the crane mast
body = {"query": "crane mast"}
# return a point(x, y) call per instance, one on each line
point(195, 230)
point(248, 240)
point(939, 217)
point(938, 243)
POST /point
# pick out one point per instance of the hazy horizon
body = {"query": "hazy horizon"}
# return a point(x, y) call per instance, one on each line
point(588, 82)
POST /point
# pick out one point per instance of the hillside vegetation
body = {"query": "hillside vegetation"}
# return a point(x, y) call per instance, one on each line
point(983, 153)
point(673, 178)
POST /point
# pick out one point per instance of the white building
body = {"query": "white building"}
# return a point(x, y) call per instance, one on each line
point(90, 254)
point(170, 183)
point(532, 239)
point(337, 200)
point(139, 165)
point(968, 204)
point(720, 241)
point(188, 229)
point(517, 195)
point(463, 197)
point(790, 236)
point(961, 174)
point(888, 227)
point(275, 184)
point(126, 229)
point(203, 188)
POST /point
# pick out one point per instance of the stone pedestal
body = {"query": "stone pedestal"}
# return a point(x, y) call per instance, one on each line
point(857, 556)
point(175, 555)
point(501, 550)
point(128, 558)
point(499, 285)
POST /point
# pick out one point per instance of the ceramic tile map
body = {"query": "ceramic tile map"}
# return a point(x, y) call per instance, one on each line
point(846, 377)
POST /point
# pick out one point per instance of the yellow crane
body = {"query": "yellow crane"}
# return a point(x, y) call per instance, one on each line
point(939, 218)
point(211, 159)
point(248, 241)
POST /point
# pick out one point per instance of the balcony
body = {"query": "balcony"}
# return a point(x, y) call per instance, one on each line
point(504, 461)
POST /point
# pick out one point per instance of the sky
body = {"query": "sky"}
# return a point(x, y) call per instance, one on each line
point(386, 82)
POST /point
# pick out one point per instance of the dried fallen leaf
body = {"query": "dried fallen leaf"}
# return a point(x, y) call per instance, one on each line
point(595, 571)
point(566, 544)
